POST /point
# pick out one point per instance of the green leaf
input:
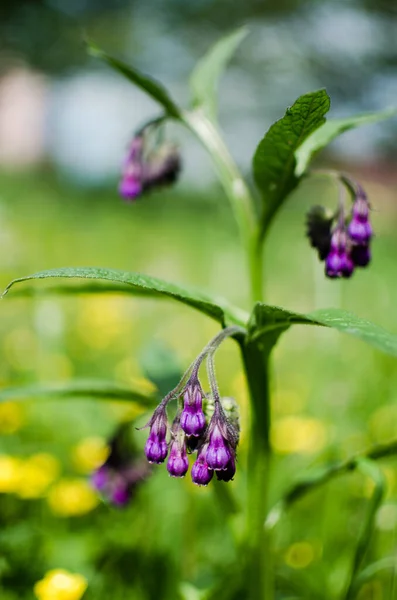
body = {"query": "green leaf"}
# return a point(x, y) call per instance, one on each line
point(329, 131)
point(81, 389)
point(374, 569)
point(205, 76)
point(134, 283)
point(152, 87)
point(274, 161)
point(269, 322)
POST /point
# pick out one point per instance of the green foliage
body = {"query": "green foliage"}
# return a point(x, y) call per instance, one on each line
point(325, 134)
point(268, 322)
point(142, 285)
point(244, 549)
point(168, 517)
point(371, 470)
point(79, 389)
point(274, 160)
point(149, 85)
point(204, 78)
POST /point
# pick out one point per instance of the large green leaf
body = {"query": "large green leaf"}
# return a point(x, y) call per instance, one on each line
point(152, 87)
point(329, 131)
point(268, 322)
point(81, 389)
point(134, 283)
point(205, 76)
point(274, 161)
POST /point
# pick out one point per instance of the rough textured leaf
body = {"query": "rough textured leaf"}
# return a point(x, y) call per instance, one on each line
point(205, 76)
point(82, 389)
point(268, 322)
point(320, 138)
point(152, 87)
point(135, 283)
point(274, 161)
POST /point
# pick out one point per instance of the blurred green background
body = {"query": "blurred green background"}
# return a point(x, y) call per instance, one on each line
point(64, 125)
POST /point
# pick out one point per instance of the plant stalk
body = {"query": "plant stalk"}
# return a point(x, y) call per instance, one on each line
point(237, 191)
point(257, 567)
point(259, 572)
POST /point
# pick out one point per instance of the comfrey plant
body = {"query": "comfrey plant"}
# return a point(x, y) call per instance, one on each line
point(204, 423)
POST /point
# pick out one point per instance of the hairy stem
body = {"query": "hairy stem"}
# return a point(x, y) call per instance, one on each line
point(259, 578)
point(257, 571)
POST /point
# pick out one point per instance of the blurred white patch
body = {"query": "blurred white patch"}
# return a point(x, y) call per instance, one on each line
point(22, 113)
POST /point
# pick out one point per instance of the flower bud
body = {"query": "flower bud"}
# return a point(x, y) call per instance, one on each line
point(222, 441)
point(218, 453)
point(131, 185)
point(359, 229)
point(338, 262)
point(156, 448)
point(192, 418)
point(178, 463)
point(201, 473)
point(145, 170)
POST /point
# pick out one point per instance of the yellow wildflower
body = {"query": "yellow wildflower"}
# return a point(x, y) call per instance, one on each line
point(36, 474)
point(59, 584)
point(72, 497)
point(299, 555)
point(102, 321)
point(11, 417)
point(90, 453)
point(10, 468)
point(301, 435)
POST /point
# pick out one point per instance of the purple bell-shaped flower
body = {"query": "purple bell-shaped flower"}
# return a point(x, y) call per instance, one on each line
point(338, 262)
point(193, 420)
point(178, 463)
point(156, 448)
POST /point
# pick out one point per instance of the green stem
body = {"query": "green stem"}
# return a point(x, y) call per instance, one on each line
point(236, 190)
point(258, 571)
point(370, 469)
point(259, 577)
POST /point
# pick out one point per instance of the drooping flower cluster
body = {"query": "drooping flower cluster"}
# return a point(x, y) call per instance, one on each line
point(215, 442)
point(345, 245)
point(121, 473)
point(145, 169)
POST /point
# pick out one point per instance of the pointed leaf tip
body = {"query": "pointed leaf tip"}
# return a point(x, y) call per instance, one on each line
point(269, 322)
point(153, 88)
point(330, 130)
point(274, 160)
point(205, 76)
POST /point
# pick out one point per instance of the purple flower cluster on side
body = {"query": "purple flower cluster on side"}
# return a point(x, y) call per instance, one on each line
point(215, 443)
point(350, 246)
point(142, 172)
point(119, 476)
point(346, 245)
